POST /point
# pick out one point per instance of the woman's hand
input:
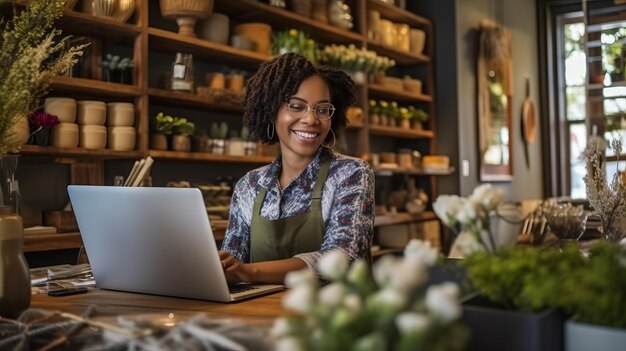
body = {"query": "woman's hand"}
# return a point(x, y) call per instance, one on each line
point(234, 270)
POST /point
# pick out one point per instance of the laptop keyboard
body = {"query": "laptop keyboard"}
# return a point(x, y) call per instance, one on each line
point(239, 288)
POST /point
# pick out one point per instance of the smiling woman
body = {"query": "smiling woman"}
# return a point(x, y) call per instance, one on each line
point(309, 200)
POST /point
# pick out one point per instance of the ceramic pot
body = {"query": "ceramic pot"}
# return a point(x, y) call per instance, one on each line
point(65, 135)
point(258, 33)
point(418, 40)
point(121, 138)
point(14, 276)
point(216, 80)
point(186, 13)
point(63, 108)
point(242, 42)
point(215, 28)
point(236, 147)
point(120, 114)
point(158, 141)
point(92, 137)
point(93, 113)
point(181, 143)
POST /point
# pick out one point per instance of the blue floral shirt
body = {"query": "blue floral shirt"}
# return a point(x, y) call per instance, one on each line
point(347, 205)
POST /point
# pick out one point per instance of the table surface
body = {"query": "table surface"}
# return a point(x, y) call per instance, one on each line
point(260, 310)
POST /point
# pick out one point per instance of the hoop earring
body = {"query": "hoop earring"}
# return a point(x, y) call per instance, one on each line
point(334, 140)
point(270, 137)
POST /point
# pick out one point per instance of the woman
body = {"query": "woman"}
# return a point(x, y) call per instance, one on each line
point(309, 200)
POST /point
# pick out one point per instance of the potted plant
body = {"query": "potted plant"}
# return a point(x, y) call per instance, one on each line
point(374, 112)
point(406, 117)
point(393, 115)
point(419, 116)
point(384, 112)
point(162, 127)
point(293, 40)
point(182, 131)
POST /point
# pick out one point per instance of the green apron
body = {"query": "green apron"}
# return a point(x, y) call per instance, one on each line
point(285, 237)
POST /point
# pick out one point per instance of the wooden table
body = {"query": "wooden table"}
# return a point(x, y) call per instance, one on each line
point(260, 310)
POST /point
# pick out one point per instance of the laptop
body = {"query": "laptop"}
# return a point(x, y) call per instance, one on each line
point(154, 241)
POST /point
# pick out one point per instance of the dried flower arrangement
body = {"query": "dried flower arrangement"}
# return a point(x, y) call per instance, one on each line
point(608, 200)
point(31, 55)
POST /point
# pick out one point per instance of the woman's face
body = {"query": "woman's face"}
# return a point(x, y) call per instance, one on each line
point(302, 136)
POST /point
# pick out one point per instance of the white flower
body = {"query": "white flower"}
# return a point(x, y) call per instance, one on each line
point(352, 302)
point(443, 301)
point(334, 264)
point(446, 206)
point(299, 299)
point(623, 242)
point(332, 294)
point(301, 277)
point(388, 298)
point(406, 276)
point(465, 245)
point(420, 252)
point(487, 196)
point(288, 344)
point(466, 212)
point(408, 322)
point(383, 269)
point(280, 328)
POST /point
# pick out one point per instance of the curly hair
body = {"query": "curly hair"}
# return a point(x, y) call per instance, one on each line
point(279, 79)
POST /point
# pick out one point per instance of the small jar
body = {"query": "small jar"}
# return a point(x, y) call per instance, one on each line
point(91, 113)
point(121, 138)
point(63, 108)
point(120, 114)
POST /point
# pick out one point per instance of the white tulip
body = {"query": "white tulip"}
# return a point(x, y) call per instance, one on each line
point(280, 328)
point(409, 322)
point(334, 264)
point(389, 298)
point(465, 245)
point(383, 269)
point(332, 294)
point(406, 276)
point(420, 252)
point(487, 196)
point(443, 301)
point(446, 206)
point(466, 213)
point(288, 344)
point(301, 277)
point(299, 299)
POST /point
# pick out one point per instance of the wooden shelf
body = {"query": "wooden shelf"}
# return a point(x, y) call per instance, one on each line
point(49, 242)
point(79, 152)
point(91, 87)
point(380, 92)
point(166, 41)
point(355, 126)
point(189, 100)
point(409, 171)
point(396, 132)
point(79, 22)
point(403, 217)
point(397, 14)
point(402, 58)
point(282, 19)
point(208, 157)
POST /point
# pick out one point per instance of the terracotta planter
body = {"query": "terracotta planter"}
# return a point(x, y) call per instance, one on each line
point(186, 13)
point(158, 141)
point(405, 124)
point(181, 143)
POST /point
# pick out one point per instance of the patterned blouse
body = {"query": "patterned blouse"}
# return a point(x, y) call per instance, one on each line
point(347, 205)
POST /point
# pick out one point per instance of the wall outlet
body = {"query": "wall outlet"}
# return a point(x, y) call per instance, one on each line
point(466, 168)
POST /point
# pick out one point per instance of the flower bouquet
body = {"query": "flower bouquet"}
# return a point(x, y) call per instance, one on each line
point(477, 221)
point(351, 59)
point(391, 310)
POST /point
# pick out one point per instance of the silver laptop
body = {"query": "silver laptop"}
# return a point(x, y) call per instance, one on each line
point(155, 241)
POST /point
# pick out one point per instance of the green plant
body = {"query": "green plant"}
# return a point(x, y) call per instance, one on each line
point(182, 126)
point(405, 113)
point(419, 114)
point(293, 40)
point(374, 108)
point(31, 55)
point(351, 59)
point(163, 124)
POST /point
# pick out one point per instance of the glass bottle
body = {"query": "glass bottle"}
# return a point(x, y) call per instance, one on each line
point(14, 275)
point(182, 73)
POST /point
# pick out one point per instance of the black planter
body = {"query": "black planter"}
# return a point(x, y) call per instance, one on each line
point(495, 329)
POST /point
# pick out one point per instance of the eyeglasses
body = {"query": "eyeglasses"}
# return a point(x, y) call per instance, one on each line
point(300, 109)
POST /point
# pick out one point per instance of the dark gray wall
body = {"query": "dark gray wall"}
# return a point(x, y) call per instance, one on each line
point(456, 88)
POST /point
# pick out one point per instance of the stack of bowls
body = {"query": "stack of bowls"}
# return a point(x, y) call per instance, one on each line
point(64, 134)
point(91, 117)
point(120, 119)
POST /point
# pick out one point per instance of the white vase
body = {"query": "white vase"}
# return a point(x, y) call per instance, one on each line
point(584, 337)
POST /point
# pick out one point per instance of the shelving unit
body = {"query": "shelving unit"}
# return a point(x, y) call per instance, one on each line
point(144, 37)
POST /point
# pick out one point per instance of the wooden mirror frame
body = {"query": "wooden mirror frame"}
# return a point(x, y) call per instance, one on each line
point(495, 92)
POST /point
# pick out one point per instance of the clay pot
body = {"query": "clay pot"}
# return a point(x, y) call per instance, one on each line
point(258, 33)
point(181, 143)
point(158, 141)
